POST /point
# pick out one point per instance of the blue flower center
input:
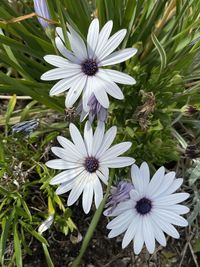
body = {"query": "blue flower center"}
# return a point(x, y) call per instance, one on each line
point(89, 67)
point(143, 206)
point(91, 164)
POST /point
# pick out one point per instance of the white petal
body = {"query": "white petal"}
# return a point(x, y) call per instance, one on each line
point(139, 238)
point(103, 37)
point(121, 207)
point(107, 141)
point(83, 115)
point(130, 232)
point(119, 220)
point(148, 232)
point(65, 187)
point(63, 85)
point(87, 92)
point(69, 146)
point(46, 224)
point(98, 137)
point(114, 90)
point(134, 195)
point(166, 227)
point(75, 91)
point(60, 34)
point(156, 181)
point(158, 233)
point(77, 44)
point(120, 77)
point(60, 164)
point(77, 139)
point(174, 186)
point(113, 42)
point(77, 188)
point(104, 171)
point(144, 170)
point(137, 179)
point(103, 174)
point(87, 195)
point(118, 57)
point(166, 184)
point(119, 230)
point(57, 61)
point(60, 73)
point(66, 155)
point(98, 192)
point(100, 93)
point(177, 208)
point(109, 86)
point(92, 37)
point(88, 137)
point(118, 162)
point(65, 52)
point(66, 176)
point(116, 150)
point(171, 217)
point(171, 199)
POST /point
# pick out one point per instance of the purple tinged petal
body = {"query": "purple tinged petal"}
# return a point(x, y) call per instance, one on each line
point(41, 9)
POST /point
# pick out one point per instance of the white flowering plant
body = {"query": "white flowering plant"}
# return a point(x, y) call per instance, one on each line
point(96, 98)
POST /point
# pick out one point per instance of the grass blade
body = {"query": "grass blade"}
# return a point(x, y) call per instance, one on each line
point(17, 246)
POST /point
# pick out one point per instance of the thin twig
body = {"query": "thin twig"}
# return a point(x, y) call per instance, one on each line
point(28, 16)
point(183, 255)
point(193, 256)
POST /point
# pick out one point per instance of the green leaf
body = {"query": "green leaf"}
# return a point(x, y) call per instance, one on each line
point(78, 14)
point(34, 233)
point(47, 256)
point(25, 206)
point(6, 224)
point(161, 51)
point(11, 106)
point(17, 247)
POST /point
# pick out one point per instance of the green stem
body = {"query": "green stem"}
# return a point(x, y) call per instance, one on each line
point(93, 223)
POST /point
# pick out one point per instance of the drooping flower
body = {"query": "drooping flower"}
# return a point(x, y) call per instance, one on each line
point(86, 161)
point(46, 224)
point(118, 194)
point(41, 9)
point(95, 110)
point(189, 110)
point(152, 209)
point(25, 127)
point(81, 69)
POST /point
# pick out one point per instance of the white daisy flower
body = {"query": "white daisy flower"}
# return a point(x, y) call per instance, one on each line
point(86, 161)
point(151, 210)
point(81, 69)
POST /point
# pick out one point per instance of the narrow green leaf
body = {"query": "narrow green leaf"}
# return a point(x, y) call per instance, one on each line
point(47, 256)
point(11, 106)
point(34, 233)
point(17, 247)
point(25, 112)
point(161, 51)
point(6, 223)
point(101, 11)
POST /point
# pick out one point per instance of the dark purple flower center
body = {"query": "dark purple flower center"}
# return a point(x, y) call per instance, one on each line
point(89, 67)
point(91, 164)
point(143, 206)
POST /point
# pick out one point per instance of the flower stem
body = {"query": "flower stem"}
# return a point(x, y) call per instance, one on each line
point(93, 223)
